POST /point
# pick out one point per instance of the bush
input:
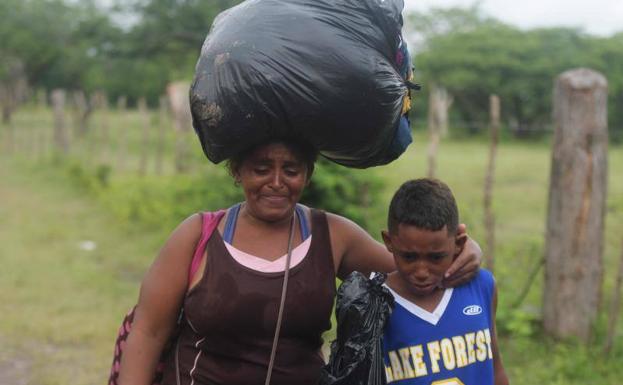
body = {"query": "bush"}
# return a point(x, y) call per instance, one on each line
point(165, 201)
point(342, 191)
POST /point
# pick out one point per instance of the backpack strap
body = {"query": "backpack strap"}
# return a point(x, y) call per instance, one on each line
point(209, 222)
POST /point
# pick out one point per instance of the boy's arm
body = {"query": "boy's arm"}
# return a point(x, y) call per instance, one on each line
point(499, 374)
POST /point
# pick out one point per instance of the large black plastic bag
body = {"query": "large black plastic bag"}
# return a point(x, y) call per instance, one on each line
point(362, 308)
point(319, 70)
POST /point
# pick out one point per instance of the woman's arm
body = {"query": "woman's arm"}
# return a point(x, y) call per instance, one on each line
point(499, 374)
point(159, 304)
point(355, 250)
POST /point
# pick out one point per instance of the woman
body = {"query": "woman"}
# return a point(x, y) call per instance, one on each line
point(231, 303)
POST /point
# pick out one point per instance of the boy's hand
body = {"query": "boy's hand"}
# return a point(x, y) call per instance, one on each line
point(466, 265)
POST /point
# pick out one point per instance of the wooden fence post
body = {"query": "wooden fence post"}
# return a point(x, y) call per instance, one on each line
point(489, 217)
point(577, 196)
point(162, 124)
point(81, 113)
point(14, 89)
point(439, 103)
point(45, 130)
point(180, 107)
point(103, 145)
point(444, 102)
point(8, 134)
point(5, 103)
point(433, 133)
point(61, 138)
point(40, 137)
point(144, 114)
point(122, 130)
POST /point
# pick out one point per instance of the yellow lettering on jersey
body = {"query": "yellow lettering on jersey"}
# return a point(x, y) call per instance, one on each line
point(406, 364)
point(434, 351)
point(417, 354)
point(488, 341)
point(388, 374)
point(481, 346)
point(460, 351)
point(396, 368)
point(470, 339)
point(447, 352)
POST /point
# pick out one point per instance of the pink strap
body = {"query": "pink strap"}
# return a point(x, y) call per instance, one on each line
point(210, 221)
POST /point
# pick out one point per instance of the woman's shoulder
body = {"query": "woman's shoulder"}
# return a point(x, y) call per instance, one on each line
point(171, 266)
point(339, 221)
point(345, 231)
point(335, 221)
point(191, 223)
point(188, 230)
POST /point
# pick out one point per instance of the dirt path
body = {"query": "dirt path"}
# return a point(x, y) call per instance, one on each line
point(68, 273)
point(15, 366)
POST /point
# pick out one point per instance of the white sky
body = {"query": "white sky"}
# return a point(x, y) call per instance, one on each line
point(598, 17)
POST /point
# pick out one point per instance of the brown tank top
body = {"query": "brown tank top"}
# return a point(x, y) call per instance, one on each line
point(231, 315)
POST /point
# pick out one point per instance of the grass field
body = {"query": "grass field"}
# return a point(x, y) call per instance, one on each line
point(61, 303)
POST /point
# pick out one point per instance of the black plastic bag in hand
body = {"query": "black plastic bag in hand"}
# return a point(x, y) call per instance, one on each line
point(362, 308)
point(328, 72)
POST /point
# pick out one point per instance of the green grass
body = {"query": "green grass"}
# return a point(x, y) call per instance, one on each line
point(61, 305)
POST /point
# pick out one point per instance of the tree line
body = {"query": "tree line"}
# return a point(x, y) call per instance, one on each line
point(136, 47)
point(81, 45)
point(473, 56)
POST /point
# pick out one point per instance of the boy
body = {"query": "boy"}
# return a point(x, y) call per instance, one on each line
point(436, 336)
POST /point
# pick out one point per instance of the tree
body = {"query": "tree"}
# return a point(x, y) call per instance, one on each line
point(60, 45)
point(607, 57)
point(170, 34)
point(422, 27)
point(473, 56)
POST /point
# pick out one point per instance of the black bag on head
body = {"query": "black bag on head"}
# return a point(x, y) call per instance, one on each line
point(323, 71)
point(362, 308)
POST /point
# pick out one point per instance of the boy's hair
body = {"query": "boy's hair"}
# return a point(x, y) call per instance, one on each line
point(424, 203)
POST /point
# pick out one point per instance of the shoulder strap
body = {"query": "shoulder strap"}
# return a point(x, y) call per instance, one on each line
point(230, 224)
point(282, 304)
point(209, 222)
point(302, 222)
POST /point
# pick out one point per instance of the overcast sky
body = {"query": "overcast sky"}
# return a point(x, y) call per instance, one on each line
point(599, 17)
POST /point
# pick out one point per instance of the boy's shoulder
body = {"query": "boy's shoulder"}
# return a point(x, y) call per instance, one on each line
point(483, 282)
point(486, 276)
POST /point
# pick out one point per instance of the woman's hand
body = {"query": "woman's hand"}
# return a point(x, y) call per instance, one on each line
point(466, 265)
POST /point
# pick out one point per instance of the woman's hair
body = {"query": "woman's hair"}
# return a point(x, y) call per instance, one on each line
point(304, 151)
point(424, 203)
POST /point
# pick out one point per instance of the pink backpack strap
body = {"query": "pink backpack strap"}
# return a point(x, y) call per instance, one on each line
point(209, 222)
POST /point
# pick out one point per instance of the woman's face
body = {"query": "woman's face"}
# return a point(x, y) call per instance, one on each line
point(273, 179)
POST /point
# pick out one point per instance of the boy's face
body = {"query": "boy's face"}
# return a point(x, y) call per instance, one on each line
point(423, 256)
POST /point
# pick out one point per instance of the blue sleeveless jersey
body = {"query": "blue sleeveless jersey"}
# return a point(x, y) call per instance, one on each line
point(451, 346)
